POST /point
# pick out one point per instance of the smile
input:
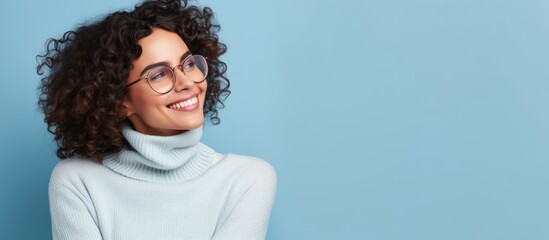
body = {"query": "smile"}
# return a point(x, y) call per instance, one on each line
point(183, 104)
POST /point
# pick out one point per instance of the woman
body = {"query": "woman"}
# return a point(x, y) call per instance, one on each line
point(126, 98)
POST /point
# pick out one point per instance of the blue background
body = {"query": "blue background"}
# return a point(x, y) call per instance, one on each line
point(391, 119)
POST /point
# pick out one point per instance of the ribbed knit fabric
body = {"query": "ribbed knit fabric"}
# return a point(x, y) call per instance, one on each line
point(162, 188)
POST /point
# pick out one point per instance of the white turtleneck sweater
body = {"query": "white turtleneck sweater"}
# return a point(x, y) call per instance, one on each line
point(162, 188)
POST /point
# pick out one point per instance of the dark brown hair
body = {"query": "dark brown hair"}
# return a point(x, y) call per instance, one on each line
point(81, 95)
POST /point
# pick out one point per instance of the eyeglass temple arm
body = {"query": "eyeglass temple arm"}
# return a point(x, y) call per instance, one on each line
point(134, 82)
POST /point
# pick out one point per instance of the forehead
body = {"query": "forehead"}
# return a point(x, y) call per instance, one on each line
point(160, 46)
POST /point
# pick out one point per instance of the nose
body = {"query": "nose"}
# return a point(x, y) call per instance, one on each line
point(182, 82)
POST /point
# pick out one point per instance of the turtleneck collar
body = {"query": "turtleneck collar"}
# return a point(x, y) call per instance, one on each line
point(162, 159)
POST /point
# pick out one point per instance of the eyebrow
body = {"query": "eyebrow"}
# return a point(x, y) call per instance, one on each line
point(164, 63)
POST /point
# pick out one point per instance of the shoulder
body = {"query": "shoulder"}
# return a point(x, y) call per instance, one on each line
point(252, 169)
point(72, 171)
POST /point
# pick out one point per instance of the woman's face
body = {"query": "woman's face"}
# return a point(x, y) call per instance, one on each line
point(153, 113)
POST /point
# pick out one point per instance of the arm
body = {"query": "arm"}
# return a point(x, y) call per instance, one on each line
point(70, 217)
point(249, 219)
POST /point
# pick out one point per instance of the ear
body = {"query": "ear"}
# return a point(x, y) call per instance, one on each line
point(128, 107)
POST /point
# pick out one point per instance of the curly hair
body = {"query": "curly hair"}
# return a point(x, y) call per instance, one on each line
point(82, 93)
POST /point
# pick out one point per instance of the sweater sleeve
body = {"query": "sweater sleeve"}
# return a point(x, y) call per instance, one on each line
point(249, 218)
point(70, 216)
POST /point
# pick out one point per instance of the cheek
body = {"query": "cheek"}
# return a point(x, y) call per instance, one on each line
point(203, 87)
point(138, 98)
point(143, 101)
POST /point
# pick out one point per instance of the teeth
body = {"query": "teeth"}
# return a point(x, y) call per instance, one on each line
point(184, 103)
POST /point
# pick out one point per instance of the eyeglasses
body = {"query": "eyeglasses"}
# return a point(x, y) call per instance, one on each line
point(162, 79)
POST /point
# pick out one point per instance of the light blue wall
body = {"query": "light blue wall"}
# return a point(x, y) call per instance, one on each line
point(389, 119)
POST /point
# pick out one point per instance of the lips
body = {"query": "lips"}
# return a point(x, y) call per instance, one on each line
point(183, 103)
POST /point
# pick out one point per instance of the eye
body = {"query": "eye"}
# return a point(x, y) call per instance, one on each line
point(159, 74)
point(189, 64)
